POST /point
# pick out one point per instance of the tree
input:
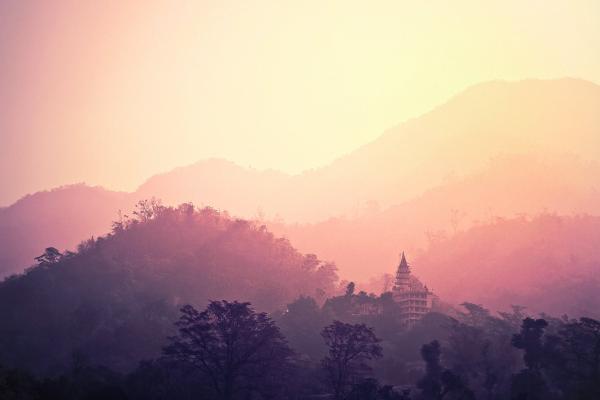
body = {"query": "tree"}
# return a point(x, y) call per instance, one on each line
point(571, 363)
point(530, 340)
point(439, 382)
point(529, 383)
point(51, 256)
point(236, 348)
point(581, 349)
point(350, 347)
point(350, 289)
point(430, 384)
point(148, 209)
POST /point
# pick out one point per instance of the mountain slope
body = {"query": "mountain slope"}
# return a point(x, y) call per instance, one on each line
point(458, 138)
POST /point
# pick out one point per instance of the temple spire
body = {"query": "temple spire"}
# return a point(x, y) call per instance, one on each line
point(403, 274)
point(403, 267)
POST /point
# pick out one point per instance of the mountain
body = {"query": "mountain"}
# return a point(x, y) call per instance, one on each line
point(116, 298)
point(497, 149)
point(457, 139)
point(511, 186)
point(220, 184)
point(60, 218)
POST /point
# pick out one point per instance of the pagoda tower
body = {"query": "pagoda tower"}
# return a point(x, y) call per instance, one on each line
point(413, 298)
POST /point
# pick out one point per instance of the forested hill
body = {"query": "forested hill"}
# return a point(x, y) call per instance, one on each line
point(116, 298)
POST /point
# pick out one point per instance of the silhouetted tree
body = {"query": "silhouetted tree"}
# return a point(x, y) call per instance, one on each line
point(148, 209)
point(581, 361)
point(350, 347)
point(529, 383)
point(438, 382)
point(350, 289)
point(51, 256)
point(530, 340)
point(571, 361)
point(231, 344)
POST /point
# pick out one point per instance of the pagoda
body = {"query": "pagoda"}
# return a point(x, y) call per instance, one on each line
point(413, 298)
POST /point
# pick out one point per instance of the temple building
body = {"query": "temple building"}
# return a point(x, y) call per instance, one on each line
point(413, 298)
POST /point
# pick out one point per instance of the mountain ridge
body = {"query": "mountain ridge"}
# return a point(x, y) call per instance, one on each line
point(352, 183)
point(391, 168)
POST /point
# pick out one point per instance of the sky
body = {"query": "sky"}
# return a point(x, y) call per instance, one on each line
point(112, 92)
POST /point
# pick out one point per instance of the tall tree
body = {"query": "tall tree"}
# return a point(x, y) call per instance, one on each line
point(350, 348)
point(237, 348)
point(529, 383)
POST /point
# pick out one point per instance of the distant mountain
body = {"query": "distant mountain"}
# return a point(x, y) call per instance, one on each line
point(115, 300)
point(60, 217)
point(456, 139)
point(512, 186)
point(220, 184)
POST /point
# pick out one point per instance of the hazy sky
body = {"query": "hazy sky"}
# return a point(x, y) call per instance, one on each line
point(111, 92)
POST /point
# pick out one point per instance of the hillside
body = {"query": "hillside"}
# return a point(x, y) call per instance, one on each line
point(116, 299)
